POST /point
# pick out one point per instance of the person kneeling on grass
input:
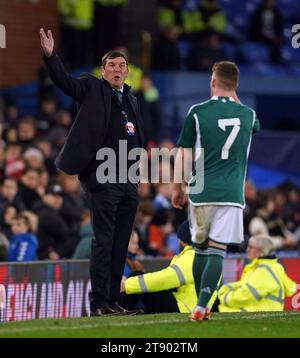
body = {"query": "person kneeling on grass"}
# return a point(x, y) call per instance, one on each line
point(263, 285)
point(169, 290)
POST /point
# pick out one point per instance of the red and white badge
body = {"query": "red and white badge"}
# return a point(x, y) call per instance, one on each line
point(130, 128)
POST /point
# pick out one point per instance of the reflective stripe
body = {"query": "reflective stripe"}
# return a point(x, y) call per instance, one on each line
point(274, 298)
point(179, 274)
point(184, 304)
point(142, 283)
point(111, 2)
point(229, 286)
point(214, 251)
point(254, 291)
point(230, 290)
point(280, 297)
point(225, 298)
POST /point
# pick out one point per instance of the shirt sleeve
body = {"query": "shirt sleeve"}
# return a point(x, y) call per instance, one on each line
point(187, 136)
point(256, 125)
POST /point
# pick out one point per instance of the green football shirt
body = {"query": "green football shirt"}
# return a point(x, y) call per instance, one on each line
point(223, 129)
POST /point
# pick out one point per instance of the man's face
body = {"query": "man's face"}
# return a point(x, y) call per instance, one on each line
point(31, 179)
point(115, 72)
point(9, 189)
point(26, 131)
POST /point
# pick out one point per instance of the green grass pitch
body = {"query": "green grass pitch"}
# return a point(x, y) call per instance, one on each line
point(222, 325)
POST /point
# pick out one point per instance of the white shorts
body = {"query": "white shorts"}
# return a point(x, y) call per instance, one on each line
point(222, 224)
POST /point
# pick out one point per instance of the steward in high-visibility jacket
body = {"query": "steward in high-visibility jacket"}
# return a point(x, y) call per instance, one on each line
point(262, 287)
point(178, 277)
point(77, 14)
point(191, 21)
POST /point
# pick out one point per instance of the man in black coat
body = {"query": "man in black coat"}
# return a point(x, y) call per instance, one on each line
point(108, 113)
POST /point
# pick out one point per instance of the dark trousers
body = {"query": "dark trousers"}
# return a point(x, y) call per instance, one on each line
point(113, 209)
point(153, 302)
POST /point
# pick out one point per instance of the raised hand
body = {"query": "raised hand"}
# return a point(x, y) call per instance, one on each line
point(47, 42)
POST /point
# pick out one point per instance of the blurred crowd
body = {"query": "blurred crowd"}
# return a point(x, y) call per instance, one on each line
point(274, 212)
point(189, 34)
point(199, 33)
point(43, 214)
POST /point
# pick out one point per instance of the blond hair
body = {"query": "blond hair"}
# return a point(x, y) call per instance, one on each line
point(227, 75)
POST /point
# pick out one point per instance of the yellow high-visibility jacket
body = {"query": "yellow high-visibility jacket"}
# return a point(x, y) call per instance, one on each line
point(178, 276)
point(78, 14)
point(112, 2)
point(262, 287)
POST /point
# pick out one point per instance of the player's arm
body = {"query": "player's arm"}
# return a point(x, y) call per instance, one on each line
point(256, 124)
point(73, 87)
point(184, 160)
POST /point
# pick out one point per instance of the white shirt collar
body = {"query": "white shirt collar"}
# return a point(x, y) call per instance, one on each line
point(215, 98)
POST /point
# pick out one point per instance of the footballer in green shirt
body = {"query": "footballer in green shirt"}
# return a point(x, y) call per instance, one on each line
point(219, 131)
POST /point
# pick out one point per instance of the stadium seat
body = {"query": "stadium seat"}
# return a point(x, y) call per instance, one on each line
point(290, 55)
point(289, 9)
point(251, 5)
point(247, 70)
point(270, 70)
point(229, 50)
point(25, 98)
point(294, 70)
point(184, 47)
point(253, 52)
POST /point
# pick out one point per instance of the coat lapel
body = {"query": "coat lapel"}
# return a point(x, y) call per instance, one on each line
point(107, 92)
point(133, 103)
point(107, 100)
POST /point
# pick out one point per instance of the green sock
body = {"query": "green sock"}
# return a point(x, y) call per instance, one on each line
point(211, 275)
point(199, 264)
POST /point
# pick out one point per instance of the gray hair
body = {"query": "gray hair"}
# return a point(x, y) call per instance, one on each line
point(265, 244)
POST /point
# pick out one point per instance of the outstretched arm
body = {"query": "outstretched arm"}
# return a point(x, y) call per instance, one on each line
point(179, 197)
point(71, 86)
point(177, 274)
